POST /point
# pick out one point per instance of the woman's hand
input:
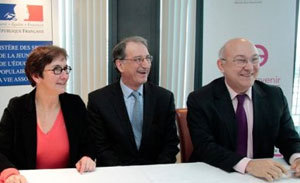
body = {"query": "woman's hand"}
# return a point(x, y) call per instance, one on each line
point(16, 179)
point(85, 164)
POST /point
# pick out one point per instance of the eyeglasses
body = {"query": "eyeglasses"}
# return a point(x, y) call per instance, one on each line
point(57, 70)
point(242, 61)
point(140, 59)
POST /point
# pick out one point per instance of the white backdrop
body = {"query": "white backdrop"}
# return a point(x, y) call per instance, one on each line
point(270, 24)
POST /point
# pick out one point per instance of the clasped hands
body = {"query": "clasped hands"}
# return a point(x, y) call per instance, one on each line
point(270, 169)
point(85, 164)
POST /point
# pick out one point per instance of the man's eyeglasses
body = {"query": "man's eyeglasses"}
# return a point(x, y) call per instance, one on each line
point(242, 61)
point(57, 70)
point(140, 59)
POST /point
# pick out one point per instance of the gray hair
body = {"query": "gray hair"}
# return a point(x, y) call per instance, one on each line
point(221, 52)
point(118, 51)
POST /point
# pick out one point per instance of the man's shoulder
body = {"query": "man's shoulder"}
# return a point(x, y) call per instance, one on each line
point(207, 91)
point(157, 92)
point(104, 91)
point(156, 88)
point(266, 88)
point(115, 87)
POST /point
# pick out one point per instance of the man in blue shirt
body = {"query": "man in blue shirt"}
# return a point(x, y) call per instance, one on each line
point(133, 121)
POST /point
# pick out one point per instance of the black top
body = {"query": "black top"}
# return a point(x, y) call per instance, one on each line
point(18, 131)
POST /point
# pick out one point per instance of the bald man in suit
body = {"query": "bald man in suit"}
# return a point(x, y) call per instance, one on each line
point(235, 121)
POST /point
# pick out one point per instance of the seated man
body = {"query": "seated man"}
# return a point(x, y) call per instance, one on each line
point(133, 121)
point(235, 121)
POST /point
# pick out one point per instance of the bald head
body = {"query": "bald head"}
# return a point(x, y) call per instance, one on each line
point(236, 45)
point(239, 63)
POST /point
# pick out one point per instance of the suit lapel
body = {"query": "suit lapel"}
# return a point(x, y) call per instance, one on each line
point(29, 124)
point(226, 110)
point(149, 107)
point(120, 109)
point(69, 119)
point(258, 107)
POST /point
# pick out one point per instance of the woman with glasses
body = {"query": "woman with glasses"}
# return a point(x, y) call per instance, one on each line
point(45, 128)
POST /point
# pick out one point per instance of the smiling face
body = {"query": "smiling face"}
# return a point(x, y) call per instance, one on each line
point(134, 74)
point(51, 83)
point(239, 78)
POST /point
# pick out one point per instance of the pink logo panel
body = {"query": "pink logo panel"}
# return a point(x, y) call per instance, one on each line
point(263, 53)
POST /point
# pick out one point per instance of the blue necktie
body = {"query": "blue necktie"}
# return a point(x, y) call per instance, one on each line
point(242, 137)
point(137, 118)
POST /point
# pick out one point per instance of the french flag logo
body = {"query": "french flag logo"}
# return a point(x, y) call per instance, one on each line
point(35, 13)
point(21, 12)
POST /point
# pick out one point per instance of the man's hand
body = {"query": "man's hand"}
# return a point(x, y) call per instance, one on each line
point(295, 166)
point(85, 164)
point(16, 179)
point(266, 168)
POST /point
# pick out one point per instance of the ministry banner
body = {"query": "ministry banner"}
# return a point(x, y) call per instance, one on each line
point(24, 25)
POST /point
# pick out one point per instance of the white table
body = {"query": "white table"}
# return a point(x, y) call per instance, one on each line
point(170, 173)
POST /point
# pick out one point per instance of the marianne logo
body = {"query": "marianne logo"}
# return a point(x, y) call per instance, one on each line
point(263, 53)
point(21, 12)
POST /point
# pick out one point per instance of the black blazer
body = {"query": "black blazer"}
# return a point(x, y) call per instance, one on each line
point(18, 132)
point(213, 127)
point(113, 133)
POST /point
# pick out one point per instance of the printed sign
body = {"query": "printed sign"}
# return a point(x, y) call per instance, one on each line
point(24, 25)
point(13, 55)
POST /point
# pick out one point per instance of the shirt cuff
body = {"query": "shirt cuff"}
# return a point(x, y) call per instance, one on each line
point(294, 157)
point(8, 172)
point(241, 165)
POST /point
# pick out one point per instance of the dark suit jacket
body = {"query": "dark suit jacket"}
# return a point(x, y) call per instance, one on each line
point(113, 133)
point(213, 127)
point(18, 133)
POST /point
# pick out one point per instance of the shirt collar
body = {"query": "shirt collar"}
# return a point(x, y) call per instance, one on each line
point(233, 94)
point(127, 91)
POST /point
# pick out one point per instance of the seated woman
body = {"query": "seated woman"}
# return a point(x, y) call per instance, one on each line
point(47, 127)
